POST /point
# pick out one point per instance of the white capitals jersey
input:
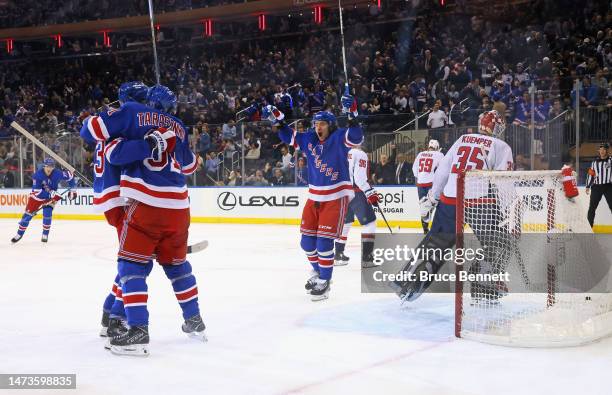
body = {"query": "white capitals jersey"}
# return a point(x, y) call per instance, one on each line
point(359, 169)
point(424, 167)
point(470, 151)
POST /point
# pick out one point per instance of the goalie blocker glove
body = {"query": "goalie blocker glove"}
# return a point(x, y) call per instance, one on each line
point(427, 205)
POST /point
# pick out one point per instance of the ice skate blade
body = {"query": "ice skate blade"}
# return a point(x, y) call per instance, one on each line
point(318, 298)
point(368, 265)
point(107, 345)
point(201, 336)
point(104, 331)
point(136, 350)
point(340, 263)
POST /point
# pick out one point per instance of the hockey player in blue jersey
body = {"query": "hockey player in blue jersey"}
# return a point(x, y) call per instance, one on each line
point(153, 149)
point(108, 200)
point(326, 148)
point(44, 194)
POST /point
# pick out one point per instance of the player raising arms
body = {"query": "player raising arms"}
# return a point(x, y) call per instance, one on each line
point(152, 147)
point(484, 150)
point(44, 194)
point(107, 199)
point(360, 207)
point(326, 147)
point(423, 168)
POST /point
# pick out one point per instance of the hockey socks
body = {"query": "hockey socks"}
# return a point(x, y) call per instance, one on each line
point(134, 292)
point(325, 253)
point(24, 223)
point(110, 298)
point(47, 217)
point(309, 245)
point(185, 288)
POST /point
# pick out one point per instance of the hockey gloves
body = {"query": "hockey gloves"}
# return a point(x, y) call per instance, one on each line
point(160, 140)
point(272, 114)
point(373, 197)
point(349, 104)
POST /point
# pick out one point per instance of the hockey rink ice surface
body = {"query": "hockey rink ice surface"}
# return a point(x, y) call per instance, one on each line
point(265, 335)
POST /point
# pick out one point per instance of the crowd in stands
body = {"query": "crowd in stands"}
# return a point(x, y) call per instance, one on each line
point(425, 61)
point(48, 12)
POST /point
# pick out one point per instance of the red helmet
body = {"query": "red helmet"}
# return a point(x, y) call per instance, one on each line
point(492, 123)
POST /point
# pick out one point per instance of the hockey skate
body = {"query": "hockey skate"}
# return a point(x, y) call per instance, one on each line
point(134, 342)
point(16, 239)
point(320, 290)
point(116, 328)
point(44, 238)
point(194, 327)
point(411, 290)
point(105, 319)
point(340, 259)
point(368, 261)
point(311, 281)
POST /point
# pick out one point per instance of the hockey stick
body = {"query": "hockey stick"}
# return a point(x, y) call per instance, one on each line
point(192, 249)
point(41, 207)
point(49, 152)
point(385, 219)
point(346, 81)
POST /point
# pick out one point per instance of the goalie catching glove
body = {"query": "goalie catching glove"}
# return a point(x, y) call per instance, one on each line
point(160, 140)
point(427, 204)
point(272, 114)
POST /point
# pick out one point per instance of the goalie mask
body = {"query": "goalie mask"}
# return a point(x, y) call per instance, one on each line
point(492, 123)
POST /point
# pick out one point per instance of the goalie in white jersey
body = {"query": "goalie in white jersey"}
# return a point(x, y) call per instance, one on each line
point(424, 168)
point(360, 207)
point(475, 151)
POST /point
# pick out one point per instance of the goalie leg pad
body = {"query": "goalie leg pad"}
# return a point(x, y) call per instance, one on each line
point(411, 290)
point(185, 287)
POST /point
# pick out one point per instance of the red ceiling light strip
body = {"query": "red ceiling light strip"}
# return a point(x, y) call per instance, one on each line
point(380, 5)
point(262, 22)
point(318, 14)
point(208, 28)
point(107, 41)
point(58, 40)
point(9, 45)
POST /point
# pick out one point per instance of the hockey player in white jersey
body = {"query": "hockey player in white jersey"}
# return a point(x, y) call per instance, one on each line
point(423, 168)
point(360, 207)
point(482, 151)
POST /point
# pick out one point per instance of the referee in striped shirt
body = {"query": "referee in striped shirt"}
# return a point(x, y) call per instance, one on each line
point(599, 181)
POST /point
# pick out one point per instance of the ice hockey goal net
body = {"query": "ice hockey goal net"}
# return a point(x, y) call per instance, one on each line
point(556, 292)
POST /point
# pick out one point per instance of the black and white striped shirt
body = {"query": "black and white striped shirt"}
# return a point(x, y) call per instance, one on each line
point(600, 172)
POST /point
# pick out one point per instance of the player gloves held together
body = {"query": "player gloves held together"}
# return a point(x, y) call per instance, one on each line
point(160, 140)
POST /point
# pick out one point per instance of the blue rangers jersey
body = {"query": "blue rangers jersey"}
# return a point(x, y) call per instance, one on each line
point(156, 183)
point(42, 185)
point(107, 178)
point(328, 169)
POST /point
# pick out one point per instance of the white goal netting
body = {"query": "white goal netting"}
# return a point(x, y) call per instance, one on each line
point(556, 291)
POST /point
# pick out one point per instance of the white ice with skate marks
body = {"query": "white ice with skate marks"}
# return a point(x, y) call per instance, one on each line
point(265, 335)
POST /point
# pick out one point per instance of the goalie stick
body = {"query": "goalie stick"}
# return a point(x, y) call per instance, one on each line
point(49, 152)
